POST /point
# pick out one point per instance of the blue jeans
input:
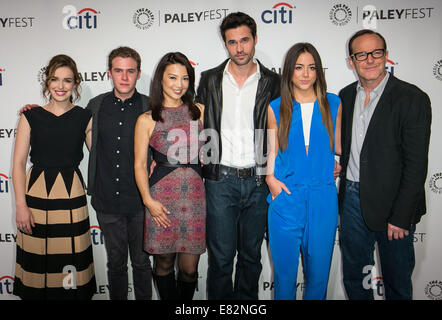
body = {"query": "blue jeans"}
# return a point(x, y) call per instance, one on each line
point(123, 234)
point(357, 246)
point(236, 221)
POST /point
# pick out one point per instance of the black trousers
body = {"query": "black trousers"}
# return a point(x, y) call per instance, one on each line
point(123, 233)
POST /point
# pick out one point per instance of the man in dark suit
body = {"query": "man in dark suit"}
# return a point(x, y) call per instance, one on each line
point(385, 137)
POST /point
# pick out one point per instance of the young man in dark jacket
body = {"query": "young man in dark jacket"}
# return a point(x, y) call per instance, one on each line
point(111, 180)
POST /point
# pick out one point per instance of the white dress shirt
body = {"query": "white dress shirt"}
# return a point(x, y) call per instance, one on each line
point(237, 127)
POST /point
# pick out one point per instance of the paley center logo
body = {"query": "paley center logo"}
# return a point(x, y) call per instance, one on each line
point(433, 290)
point(1, 76)
point(6, 284)
point(143, 18)
point(437, 70)
point(281, 12)
point(41, 77)
point(340, 14)
point(83, 19)
point(4, 183)
point(435, 183)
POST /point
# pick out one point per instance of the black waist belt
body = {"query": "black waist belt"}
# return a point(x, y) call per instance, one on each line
point(164, 167)
point(178, 165)
point(238, 172)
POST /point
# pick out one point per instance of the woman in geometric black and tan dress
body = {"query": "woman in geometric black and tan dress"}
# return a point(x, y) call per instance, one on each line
point(54, 252)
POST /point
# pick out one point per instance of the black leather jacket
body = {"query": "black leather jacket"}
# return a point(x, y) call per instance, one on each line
point(210, 95)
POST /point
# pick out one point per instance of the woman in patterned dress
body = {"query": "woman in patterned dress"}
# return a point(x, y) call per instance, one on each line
point(174, 194)
point(54, 251)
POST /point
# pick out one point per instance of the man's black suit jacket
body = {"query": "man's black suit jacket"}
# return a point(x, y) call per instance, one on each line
point(394, 155)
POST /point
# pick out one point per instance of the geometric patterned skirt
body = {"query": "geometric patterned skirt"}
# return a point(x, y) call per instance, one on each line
point(55, 262)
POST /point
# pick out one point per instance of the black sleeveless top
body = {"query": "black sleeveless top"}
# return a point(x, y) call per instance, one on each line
point(57, 141)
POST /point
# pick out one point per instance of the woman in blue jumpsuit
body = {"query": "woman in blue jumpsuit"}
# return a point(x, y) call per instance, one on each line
point(303, 211)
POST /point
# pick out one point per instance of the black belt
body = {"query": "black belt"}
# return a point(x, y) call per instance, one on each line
point(238, 172)
point(177, 165)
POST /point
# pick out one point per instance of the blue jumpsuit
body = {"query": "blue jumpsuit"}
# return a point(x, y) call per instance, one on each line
point(307, 218)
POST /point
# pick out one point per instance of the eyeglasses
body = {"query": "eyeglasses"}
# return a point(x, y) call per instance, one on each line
point(361, 56)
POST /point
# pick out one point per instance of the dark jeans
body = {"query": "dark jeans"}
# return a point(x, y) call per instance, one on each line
point(123, 233)
point(358, 244)
point(236, 222)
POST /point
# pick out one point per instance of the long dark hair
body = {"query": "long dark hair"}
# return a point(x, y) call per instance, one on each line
point(156, 88)
point(287, 96)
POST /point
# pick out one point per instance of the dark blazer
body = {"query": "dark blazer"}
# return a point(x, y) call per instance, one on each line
point(210, 95)
point(94, 106)
point(394, 155)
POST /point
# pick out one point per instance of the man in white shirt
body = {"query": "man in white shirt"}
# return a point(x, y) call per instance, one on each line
point(236, 95)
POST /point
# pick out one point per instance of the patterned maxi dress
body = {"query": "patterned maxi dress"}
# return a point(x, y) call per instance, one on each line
point(179, 188)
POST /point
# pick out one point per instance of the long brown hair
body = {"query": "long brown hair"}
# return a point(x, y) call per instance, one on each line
point(156, 89)
point(287, 96)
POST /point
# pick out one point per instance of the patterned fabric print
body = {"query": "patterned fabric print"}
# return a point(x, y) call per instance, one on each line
point(184, 133)
point(181, 191)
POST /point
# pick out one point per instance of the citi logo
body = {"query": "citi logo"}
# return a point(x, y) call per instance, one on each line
point(281, 13)
point(84, 19)
point(96, 235)
point(1, 76)
point(390, 66)
point(4, 183)
point(6, 285)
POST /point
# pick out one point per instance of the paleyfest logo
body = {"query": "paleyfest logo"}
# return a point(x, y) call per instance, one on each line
point(1, 76)
point(83, 19)
point(281, 12)
point(86, 76)
point(371, 15)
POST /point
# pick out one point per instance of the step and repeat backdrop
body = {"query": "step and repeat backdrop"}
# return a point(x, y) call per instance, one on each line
point(31, 32)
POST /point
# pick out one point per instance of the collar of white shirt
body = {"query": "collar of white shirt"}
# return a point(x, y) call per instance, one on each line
point(256, 74)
